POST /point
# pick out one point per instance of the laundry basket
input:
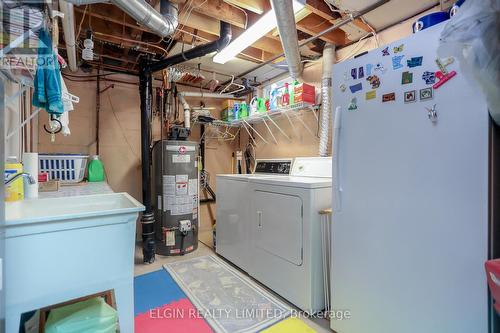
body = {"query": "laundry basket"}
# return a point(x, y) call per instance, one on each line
point(65, 168)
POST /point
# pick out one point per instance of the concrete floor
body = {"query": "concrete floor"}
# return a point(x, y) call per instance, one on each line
point(320, 325)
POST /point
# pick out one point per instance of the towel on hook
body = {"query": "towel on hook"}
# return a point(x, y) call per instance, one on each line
point(47, 82)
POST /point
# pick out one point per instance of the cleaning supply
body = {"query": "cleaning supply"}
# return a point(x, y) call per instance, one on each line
point(273, 100)
point(96, 170)
point(243, 112)
point(285, 98)
point(292, 91)
point(236, 111)
point(15, 190)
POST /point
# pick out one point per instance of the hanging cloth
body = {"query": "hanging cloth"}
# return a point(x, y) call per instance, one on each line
point(47, 81)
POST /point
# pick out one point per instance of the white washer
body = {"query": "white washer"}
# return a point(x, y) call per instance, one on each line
point(286, 231)
point(233, 209)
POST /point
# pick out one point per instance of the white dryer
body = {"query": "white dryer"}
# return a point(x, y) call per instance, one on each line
point(233, 209)
point(286, 232)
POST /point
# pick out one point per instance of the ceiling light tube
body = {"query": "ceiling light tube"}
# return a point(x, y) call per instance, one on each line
point(264, 25)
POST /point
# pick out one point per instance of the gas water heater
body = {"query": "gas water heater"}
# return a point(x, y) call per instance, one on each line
point(175, 196)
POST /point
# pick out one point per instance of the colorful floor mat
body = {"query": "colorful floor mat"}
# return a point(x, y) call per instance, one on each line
point(162, 306)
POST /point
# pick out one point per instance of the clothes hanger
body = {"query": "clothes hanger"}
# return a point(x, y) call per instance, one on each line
point(232, 83)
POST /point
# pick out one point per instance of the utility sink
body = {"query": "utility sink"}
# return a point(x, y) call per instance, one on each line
point(59, 249)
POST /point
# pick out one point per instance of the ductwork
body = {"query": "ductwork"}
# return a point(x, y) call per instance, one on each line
point(326, 98)
point(144, 14)
point(287, 28)
point(68, 24)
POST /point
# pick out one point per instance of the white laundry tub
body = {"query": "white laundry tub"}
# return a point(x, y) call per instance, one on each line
point(59, 249)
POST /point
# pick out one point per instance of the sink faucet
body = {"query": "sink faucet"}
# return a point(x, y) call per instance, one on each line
point(30, 178)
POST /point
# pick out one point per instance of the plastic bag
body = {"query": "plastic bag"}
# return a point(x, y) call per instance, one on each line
point(90, 316)
point(472, 37)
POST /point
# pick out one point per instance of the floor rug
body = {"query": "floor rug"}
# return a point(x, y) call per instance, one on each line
point(161, 306)
point(290, 325)
point(229, 301)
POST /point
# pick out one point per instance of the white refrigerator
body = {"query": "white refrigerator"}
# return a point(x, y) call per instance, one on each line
point(410, 193)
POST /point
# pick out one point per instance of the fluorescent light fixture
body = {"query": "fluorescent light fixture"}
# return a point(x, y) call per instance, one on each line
point(265, 24)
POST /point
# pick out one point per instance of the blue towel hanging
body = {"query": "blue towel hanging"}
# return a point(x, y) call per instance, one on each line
point(47, 82)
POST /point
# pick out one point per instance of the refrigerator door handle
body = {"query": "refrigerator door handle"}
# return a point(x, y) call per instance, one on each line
point(337, 189)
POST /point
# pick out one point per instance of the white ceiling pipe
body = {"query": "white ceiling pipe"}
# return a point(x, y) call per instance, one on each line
point(144, 14)
point(209, 95)
point(68, 24)
point(287, 28)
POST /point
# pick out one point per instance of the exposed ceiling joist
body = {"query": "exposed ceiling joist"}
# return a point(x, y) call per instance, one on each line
point(255, 6)
point(314, 24)
point(217, 9)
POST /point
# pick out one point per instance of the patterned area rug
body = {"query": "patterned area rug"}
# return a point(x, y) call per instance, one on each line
point(162, 306)
point(228, 300)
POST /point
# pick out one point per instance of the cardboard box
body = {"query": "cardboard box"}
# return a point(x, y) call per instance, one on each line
point(306, 98)
point(229, 103)
point(304, 88)
point(50, 186)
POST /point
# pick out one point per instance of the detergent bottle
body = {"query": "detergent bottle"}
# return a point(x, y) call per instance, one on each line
point(96, 170)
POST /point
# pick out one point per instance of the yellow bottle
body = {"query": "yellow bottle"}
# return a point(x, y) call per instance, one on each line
point(15, 190)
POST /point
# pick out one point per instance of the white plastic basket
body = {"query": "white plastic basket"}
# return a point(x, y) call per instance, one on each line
point(65, 168)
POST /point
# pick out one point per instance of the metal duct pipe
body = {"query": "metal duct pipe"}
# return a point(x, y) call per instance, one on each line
point(199, 51)
point(144, 14)
point(283, 9)
point(68, 24)
point(326, 97)
point(337, 25)
point(187, 110)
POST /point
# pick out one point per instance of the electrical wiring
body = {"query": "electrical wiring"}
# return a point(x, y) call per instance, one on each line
point(357, 46)
point(348, 12)
point(241, 9)
point(81, 21)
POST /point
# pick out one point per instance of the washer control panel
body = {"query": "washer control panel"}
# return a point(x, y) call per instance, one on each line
point(274, 166)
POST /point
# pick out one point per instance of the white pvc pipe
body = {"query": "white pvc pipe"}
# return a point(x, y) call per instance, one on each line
point(187, 111)
point(68, 23)
point(209, 95)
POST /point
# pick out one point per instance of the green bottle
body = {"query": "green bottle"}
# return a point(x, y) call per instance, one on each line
point(292, 92)
point(96, 170)
point(243, 110)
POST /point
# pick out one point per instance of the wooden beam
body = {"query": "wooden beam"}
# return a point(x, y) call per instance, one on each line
point(201, 22)
point(220, 10)
point(320, 8)
point(314, 24)
point(255, 6)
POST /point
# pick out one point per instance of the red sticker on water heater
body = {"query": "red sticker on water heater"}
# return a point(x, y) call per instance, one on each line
point(182, 150)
